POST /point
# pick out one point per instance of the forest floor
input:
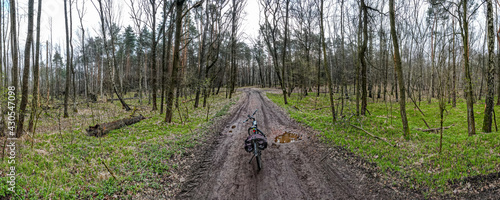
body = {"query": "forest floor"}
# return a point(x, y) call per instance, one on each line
point(201, 155)
point(141, 161)
point(468, 167)
point(304, 169)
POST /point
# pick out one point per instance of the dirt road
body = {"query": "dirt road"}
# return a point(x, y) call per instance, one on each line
point(294, 170)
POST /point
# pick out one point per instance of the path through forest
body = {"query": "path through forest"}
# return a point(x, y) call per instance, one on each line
point(290, 171)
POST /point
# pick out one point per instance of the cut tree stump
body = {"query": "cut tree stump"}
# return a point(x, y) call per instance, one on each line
point(102, 129)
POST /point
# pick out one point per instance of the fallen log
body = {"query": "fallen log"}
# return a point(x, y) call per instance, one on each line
point(434, 129)
point(129, 98)
point(322, 108)
point(102, 129)
point(377, 137)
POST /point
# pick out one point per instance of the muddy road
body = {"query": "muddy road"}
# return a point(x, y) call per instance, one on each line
point(295, 170)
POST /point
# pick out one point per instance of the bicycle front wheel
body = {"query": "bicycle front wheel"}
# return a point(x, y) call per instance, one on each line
point(259, 162)
point(257, 155)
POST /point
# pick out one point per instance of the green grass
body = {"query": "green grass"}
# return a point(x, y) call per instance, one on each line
point(416, 163)
point(70, 165)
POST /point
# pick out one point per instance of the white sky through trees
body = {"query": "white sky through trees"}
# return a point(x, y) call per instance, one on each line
point(54, 9)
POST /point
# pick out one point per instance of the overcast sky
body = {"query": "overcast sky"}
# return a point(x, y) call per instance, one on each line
point(54, 10)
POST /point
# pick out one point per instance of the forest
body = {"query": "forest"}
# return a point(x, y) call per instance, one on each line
point(148, 99)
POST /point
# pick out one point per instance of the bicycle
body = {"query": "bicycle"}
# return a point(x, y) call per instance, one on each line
point(256, 141)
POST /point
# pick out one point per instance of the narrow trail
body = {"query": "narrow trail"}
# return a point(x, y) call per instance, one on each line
point(290, 171)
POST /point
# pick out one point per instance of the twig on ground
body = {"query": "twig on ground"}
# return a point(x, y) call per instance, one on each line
point(377, 137)
point(434, 129)
point(320, 108)
point(109, 170)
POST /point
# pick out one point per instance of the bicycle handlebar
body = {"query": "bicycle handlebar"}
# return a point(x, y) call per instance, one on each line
point(251, 117)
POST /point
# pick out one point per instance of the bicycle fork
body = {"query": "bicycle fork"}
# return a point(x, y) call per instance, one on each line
point(255, 151)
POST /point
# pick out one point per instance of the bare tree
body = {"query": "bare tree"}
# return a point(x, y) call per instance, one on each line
point(488, 110)
point(111, 60)
point(468, 79)
point(36, 76)
point(175, 65)
point(14, 50)
point(136, 15)
point(237, 8)
point(325, 63)
point(154, 42)
point(26, 71)
point(68, 62)
point(270, 30)
point(399, 71)
point(201, 54)
point(362, 58)
point(81, 13)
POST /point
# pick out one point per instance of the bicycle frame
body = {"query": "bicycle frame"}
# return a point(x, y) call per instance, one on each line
point(254, 130)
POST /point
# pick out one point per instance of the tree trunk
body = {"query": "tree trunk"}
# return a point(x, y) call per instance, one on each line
point(113, 86)
point(100, 130)
point(153, 54)
point(468, 79)
point(175, 66)
point(319, 70)
point(163, 60)
point(201, 56)
point(399, 71)
point(47, 80)
point(488, 111)
point(26, 71)
point(71, 59)
point(284, 62)
point(325, 65)
point(14, 50)
point(362, 58)
point(34, 105)
point(453, 82)
point(68, 62)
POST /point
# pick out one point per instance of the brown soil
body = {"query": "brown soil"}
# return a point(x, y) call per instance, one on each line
point(303, 169)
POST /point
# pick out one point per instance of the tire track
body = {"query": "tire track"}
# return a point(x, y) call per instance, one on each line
point(290, 171)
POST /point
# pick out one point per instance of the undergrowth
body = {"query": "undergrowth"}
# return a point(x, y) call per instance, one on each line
point(142, 158)
point(417, 162)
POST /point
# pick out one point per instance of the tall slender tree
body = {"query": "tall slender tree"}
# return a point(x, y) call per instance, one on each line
point(81, 13)
point(26, 71)
point(175, 65)
point(285, 42)
point(153, 52)
point(110, 59)
point(362, 58)
point(68, 61)
point(488, 110)
point(14, 50)
point(325, 62)
point(36, 75)
point(235, 18)
point(399, 71)
point(471, 124)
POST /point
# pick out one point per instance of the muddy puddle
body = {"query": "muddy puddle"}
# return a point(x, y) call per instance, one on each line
point(287, 137)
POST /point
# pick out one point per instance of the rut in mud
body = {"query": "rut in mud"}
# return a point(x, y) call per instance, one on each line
point(293, 170)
